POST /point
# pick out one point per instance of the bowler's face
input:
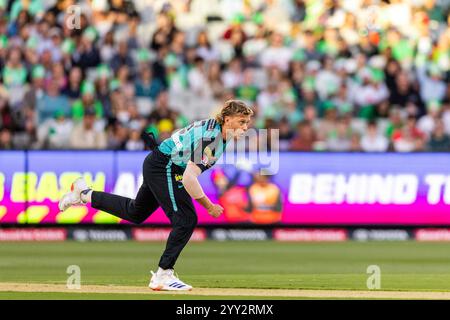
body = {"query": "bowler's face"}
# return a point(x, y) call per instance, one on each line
point(236, 126)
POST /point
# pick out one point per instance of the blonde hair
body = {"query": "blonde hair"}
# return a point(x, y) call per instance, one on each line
point(232, 108)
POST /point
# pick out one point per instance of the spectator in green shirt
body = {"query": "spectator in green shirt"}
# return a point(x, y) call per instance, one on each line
point(247, 91)
point(87, 100)
point(14, 74)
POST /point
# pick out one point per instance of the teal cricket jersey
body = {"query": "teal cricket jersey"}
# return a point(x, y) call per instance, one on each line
point(201, 142)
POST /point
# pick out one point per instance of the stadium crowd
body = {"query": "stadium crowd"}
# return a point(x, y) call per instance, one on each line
point(334, 75)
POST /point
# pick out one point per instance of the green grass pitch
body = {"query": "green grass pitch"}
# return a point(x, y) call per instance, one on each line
point(405, 266)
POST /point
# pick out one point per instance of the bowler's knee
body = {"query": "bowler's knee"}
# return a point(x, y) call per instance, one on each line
point(185, 220)
point(191, 221)
point(138, 214)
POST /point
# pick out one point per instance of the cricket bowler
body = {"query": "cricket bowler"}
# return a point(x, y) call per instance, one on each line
point(170, 181)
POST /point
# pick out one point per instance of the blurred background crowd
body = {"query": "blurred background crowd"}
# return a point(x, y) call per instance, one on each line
point(332, 75)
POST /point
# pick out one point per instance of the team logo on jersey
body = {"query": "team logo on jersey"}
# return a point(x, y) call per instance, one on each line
point(208, 159)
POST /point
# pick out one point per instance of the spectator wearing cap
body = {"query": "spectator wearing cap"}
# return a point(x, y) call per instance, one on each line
point(55, 132)
point(117, 95)
point(30, 50)
point(52, 101)
point(165, 128)
point(371, 93)
point(328, 124)
point(37, 88)
point(176, 74)
point(372, 140)
point(85, 135)
point(86, 54)
point(88, 101)
point(235, 33)
point(103, 89)
point(68, 47)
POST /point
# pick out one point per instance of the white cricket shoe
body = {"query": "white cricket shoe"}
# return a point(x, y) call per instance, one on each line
point(74, 196)
point(167, 281)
